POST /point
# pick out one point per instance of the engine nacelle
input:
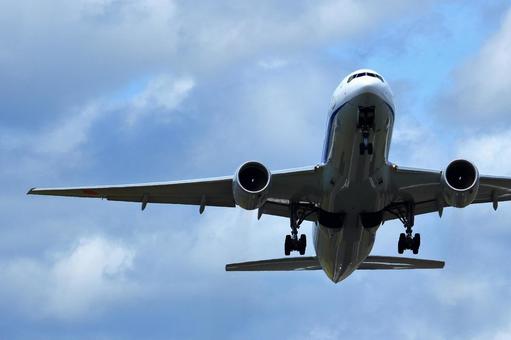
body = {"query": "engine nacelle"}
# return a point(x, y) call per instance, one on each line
point(251, 185)
point(460, 182)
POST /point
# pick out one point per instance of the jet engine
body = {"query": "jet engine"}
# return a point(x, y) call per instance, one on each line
point(251, 185)
point(460, 182)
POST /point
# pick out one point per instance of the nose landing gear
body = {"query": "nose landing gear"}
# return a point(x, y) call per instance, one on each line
point(365, 124)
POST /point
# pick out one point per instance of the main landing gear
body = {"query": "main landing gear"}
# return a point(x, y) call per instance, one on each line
point(407, 240)
point(293, 242)
point(365, 124)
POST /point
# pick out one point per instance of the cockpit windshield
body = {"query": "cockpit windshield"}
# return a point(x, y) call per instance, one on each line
point(362, 74)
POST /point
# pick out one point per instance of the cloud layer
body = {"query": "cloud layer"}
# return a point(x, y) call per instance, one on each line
point(76, 284)
point(106, 91)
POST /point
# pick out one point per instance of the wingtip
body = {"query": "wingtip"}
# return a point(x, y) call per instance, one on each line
point(31, 191)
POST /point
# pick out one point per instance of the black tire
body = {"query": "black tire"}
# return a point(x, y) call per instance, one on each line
point(287, 245)
point(416, 243)
point(400, 248)
point(417, 238)
point(362, 148)
point(303, 244)
point(370, 148)
point(401, 243)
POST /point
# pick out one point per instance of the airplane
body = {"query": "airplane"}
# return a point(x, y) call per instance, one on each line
point(347, 196)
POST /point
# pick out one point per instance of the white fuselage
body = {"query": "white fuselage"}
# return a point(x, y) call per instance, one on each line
point(353, 181)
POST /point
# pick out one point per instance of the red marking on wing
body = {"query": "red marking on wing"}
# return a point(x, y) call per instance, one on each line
point(90, 192)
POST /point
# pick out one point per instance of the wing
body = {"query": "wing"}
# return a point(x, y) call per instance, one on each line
point(312, 263)
point(424, 189)
point(391, 262)
point(211, 191)
point(295, 184)
point(284, 264)
point(494, 189)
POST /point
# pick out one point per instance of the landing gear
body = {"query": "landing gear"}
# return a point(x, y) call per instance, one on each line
point(292, 242)
point(287, 245)
point(295, 244)
point(365, 124)
point(406, 240)
point(401, 244)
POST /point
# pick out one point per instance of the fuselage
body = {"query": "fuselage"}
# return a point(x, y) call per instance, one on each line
point(355, 159)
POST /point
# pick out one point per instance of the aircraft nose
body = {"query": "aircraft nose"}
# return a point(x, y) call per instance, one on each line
point(370, 85)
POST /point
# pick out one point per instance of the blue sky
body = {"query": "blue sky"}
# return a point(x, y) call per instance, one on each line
point(108, 92)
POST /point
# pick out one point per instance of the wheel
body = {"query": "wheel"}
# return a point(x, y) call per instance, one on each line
point(302, 244)
point(287, 245)
point(362, 148)
point(401, 243)
point(417, 239)
point(370, 148)
point(416, 243)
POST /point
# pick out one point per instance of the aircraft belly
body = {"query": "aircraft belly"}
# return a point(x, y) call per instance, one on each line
point(354, 181)
point(341, 250)
point(353, 184)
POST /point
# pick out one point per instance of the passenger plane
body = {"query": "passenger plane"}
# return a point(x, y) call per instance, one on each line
point(347, 196)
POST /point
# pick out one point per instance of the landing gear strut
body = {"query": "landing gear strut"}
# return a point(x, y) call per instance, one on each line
point(365, 123)
point(293, 242)
point(407, 240)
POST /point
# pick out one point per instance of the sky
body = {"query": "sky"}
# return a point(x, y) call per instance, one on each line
point(118, 91)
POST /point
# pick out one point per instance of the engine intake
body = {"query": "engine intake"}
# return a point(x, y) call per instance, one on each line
point(251, 185)
point(460, 182)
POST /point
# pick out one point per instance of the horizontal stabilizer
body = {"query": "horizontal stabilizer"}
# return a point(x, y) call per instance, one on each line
point(391, 262)
point(284, 264)
point(312, 263)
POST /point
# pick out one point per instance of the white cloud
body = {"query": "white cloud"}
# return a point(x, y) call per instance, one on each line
point(241, 30)
point(60, 144)
point(482, 84)
point(459, 288)
point(81, 282)
point(490, 152)
point(128, 38)
point(162, 95)
point(281, 112)
point(416, 144)
point(272, 63)
point(501, 334)
point(323, 333)
point(96, 7)
point(68, 134)
point(497, 333)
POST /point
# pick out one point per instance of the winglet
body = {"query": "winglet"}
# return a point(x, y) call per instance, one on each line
point(31, 191)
